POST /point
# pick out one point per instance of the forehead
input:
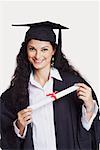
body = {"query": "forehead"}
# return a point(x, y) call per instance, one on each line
point(38, 43)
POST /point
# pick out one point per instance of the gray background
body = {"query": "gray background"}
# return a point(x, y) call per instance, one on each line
point(80, 42)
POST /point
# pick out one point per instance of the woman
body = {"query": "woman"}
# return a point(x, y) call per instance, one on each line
point(70, 123)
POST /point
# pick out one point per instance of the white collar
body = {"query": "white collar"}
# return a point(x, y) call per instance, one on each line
point(54, 73)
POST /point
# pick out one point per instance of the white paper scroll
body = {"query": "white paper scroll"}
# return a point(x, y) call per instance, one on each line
point(47, 99)
point(66, 91)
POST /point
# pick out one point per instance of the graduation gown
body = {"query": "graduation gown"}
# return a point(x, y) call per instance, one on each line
point(70, 134)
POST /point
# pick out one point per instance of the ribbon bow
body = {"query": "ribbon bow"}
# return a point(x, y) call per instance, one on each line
point(53, 95)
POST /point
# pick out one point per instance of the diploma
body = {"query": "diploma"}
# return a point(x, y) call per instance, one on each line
point(66, 91)
point(52, 97)
point(44, 101)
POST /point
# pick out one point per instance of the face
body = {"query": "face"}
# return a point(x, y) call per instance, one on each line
point(40, 53)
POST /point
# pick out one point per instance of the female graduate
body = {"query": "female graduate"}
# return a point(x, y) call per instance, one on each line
point(69, 123)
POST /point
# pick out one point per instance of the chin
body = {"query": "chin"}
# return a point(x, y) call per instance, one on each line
point(38, 67)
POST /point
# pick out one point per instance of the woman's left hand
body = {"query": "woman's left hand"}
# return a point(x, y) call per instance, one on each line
point(85, 93)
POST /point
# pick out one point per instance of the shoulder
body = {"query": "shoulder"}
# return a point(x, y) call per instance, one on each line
point(7, 94)
point(71, 77)
point(6, 99)
point(7, 104)
point(14, 101)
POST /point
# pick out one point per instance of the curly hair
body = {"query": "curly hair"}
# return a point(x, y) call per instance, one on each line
point(23, 69)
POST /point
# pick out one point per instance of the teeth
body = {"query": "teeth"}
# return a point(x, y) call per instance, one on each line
point(38, 61)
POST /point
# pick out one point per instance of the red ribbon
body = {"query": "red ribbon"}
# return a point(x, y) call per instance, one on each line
point(53, 95)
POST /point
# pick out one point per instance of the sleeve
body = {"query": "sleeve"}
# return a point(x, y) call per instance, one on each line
point(93, 132)
point(9, 139)
point(17, 130)
point(87, 123)
point(96, 122)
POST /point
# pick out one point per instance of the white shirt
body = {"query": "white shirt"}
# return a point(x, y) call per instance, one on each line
point(43, 119)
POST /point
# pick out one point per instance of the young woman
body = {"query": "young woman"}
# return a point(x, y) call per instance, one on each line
point(69, 123)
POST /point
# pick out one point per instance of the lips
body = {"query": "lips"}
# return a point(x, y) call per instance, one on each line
point(38, 61)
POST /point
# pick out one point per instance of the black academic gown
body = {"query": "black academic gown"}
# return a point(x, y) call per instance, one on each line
point(70, 134)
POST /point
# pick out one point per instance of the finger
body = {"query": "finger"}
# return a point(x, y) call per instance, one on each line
point(26, 114)
point(82, 98)
point(83, 85)
point(29, 121)
point(86, 92)
point(27, 118)
point(26, 110)
point(22, 117)
point(80, 93)
point(81, 89)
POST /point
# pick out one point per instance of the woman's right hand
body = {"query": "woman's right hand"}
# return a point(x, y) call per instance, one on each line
point(24, 118)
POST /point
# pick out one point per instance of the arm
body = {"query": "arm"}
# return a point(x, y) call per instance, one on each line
point(88, 96)
point(9, 110)
point(88, 122)
point(9, 140)
point(17, 131)
point(24, 118)
point(84, 93)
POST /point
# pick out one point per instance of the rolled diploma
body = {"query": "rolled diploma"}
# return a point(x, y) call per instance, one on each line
point(66, 91)
point(44, 101)
point(47, 99)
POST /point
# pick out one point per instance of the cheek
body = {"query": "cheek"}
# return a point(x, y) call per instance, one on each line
point(48, 57)
point(30, 54)
point(49, 54)
point(29, 57)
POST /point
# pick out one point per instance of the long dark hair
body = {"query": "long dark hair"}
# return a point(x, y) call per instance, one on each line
point(23, 69)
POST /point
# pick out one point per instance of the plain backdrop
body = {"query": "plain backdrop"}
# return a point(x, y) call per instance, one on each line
point(80, 42)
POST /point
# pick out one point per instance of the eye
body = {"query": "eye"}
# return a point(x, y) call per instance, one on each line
point(44, 49)
point(31, 49)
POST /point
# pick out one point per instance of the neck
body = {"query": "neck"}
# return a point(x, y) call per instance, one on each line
point(42, 75)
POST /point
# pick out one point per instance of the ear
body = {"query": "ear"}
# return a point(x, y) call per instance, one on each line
point(54, 50)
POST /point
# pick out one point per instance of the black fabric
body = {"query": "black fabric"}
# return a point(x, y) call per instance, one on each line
point(46, 24)
point(43, 31)
point(70, 134)
point(40, 33)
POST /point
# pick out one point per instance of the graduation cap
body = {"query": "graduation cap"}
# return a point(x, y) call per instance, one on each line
point(43, 31)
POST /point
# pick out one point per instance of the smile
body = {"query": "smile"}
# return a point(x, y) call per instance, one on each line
point(38, 61)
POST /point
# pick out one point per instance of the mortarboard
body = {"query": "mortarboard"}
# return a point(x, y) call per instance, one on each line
point(43, 31)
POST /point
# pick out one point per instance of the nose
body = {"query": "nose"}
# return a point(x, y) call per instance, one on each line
point(37, 55)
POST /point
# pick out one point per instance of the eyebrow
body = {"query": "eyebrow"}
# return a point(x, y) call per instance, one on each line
point(44, 47)
point(31, 46)
point(35, 48)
